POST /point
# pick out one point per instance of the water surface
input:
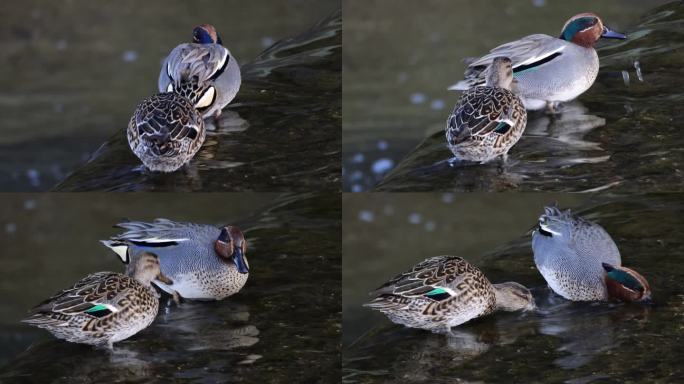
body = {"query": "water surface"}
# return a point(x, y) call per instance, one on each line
point(385, 234)
point(623, 134)
point(286, 316)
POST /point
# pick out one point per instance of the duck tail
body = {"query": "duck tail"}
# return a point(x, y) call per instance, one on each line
point(118, 247)
point(460, 86)
point(42, 320)
point(386, 303)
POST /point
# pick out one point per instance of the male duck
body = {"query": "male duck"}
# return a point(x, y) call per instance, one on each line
point(549, 70)
point(204, 262)
point(488, 120)
point(443, 292)
point(104, 307)
point(580, 261)
point(204, 71)
point(165, 132)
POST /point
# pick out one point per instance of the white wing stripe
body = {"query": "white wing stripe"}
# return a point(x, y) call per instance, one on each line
point(538, 58)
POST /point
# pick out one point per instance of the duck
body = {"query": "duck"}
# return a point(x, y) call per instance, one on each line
point(446, 291)
point(165, 132)
point(203, 261)
point(548, 70)
point(488, 120)
point(580, 261)
point(204, 71)
point(104, 307)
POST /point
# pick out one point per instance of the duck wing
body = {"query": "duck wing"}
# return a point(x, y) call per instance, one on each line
point(482, 111)
point(96, 295)
point(525, 54)
point(437, 278)
point(199, 62)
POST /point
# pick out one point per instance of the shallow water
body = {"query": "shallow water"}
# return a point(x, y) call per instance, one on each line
point(72, 75)
point(560, 342)
point(619, 135)
point(286, 316)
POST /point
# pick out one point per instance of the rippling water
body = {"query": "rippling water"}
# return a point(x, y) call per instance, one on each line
point(560, 342)
point(285, 317)
point(622, 135)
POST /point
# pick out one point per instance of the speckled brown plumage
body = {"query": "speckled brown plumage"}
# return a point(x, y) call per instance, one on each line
point(485, 124)
point(405, 301)
point(165, 132)
point(66, 315)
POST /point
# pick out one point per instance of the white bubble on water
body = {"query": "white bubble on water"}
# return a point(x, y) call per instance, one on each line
point(356, 176)
point(30, 204)
point(366, 216)
point(358, 158)
point(382, 165)
point(383, 145)
point(267, 41)
point(437, 104)
point(415, 218)
point(129, 56)
point(33, 176)
point(418, 98)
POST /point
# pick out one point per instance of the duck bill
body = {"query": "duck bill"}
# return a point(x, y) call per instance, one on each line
point(162, 277)
point(239, 260)
point(610, 34)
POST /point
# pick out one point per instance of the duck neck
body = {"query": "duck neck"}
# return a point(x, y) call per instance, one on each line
point(503, 299)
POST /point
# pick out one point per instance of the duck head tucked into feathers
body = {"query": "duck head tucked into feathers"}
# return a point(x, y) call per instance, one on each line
point(205, 34)
point(147, 269)
point(626, 284)
point(512, 296)
point(231, 245)
point(585, 29)
point(500, 73)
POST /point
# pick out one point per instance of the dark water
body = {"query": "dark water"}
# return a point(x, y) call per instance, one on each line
point(280, 133)
point(287, 315)
point(562, 341)
point(620, 135)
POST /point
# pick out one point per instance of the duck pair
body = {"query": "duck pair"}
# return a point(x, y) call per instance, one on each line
point(577, 258)
point(531, 73)
point(197, 80)
point(186, 260)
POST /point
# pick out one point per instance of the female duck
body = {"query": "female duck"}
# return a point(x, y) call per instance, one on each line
point(446, 291)
point(104, 307)
point(204, 71)
point(549, 70)
point(165, 132)
point(204, 262)
point(580, 261)
point(488, 120)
